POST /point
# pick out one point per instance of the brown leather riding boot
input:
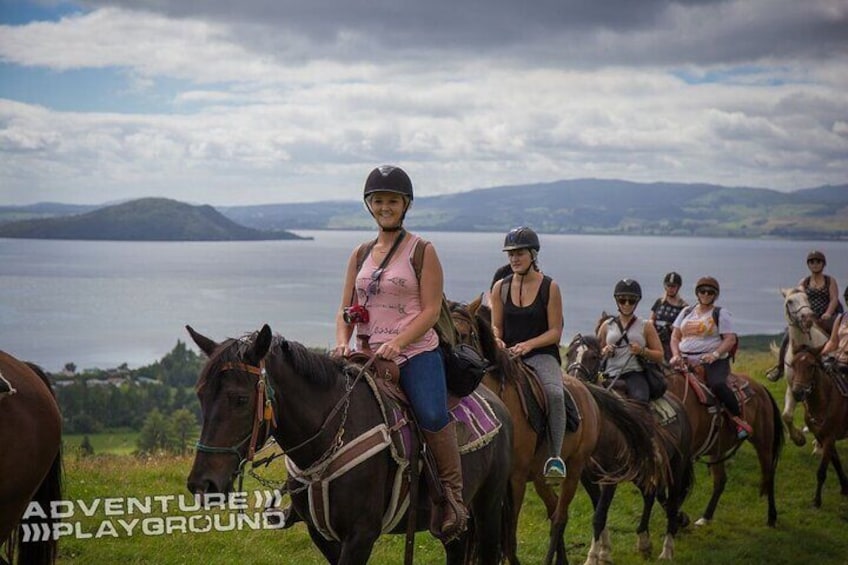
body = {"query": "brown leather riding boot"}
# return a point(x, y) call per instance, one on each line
point(443, 446)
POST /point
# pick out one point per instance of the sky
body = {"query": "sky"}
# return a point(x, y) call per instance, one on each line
point(271, 101)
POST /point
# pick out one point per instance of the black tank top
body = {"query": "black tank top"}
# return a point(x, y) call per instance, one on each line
point(521, 324)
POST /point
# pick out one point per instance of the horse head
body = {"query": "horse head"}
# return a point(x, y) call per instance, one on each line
point(806, 366)
point(231, 403)
point(797, 309)
point(584, 357)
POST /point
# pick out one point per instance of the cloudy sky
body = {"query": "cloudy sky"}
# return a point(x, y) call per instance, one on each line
point(261, 101)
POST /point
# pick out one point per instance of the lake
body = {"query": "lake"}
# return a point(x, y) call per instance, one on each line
point(100, 304)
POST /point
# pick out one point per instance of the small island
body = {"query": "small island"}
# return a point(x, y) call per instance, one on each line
point(145, 219)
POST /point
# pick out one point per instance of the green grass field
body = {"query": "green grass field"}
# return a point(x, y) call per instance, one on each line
point(738, 535)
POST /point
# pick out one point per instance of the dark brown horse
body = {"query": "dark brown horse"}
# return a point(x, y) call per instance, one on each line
point(319, 407)
point(672, 440)
point(825, 412)
point(627, 434)
point(30, 459)
point(714, 435)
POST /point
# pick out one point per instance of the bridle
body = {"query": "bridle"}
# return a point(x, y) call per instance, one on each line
point(265, 414)
point(793, 314)
point(577, 365)
point(814, 365)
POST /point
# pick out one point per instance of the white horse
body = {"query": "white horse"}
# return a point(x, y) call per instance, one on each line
point(803, 330)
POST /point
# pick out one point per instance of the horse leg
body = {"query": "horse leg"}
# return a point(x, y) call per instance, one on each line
point(767, 471)
point(331, 550)
point(600, 550)
point(719, 476)
point(643, 535)
point(837, 466)
point(789, 414)
point(559, 519)
point(357, 547)
point(828, 448)
point(487, 523)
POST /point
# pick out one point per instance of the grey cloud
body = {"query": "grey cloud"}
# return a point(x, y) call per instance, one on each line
point(572, 33)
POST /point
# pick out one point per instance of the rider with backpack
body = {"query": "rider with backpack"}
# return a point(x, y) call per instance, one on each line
point(626, 339)
point(527, 319)
point(393, 313)
point(665, 310)
point(703, 334)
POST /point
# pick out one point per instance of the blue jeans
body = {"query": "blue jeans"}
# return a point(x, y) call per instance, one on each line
point(422, 378)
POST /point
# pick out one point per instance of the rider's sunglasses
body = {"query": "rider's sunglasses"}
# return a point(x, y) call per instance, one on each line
point(814, 261)
point(626, 300)
point(374, 285)
point(706, 290)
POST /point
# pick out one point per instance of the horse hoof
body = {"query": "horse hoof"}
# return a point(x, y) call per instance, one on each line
point(666, 555)
point(702, 522)
point(643, 544)
point(683, 520)
point(798, 438)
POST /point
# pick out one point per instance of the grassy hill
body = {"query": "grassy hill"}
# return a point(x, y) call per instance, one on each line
point(593, 206)
point(147, 219)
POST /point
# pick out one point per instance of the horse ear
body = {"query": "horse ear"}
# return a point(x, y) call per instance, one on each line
point(262, 343)
point(204, 343)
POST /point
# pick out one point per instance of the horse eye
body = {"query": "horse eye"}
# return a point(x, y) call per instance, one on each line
point(238, 399)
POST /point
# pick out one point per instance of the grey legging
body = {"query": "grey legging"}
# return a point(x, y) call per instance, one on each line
point(550, 373)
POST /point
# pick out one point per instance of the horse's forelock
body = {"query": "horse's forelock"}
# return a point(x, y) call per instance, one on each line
point(225, 352)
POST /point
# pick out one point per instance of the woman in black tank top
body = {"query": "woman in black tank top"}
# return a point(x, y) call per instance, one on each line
point(527, 320)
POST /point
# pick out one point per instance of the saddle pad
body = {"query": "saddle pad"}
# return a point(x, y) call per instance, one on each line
point(663, 411)
point(476, 422)
point(536, 410)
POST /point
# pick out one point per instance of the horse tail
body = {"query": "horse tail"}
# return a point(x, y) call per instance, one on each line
point(49, 490)
point(642, 463)
point(778, 438)
point(509, 549)
point(41, 375)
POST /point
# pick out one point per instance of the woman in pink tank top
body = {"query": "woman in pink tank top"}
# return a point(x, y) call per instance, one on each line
point(392, 313)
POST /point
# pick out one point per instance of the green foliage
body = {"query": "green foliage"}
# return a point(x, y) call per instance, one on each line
point(169, 434)
point(92, 402)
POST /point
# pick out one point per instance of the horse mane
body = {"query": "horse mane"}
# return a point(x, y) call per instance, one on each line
point(505, 368)
point(319, 368)
point(604, 317)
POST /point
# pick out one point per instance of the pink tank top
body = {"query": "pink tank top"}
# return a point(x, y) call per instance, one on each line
point(393, 302)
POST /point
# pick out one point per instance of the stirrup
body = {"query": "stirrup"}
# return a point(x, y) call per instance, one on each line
point(554, 469)
point(743, 428)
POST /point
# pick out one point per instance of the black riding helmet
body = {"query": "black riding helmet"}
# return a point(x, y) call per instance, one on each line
point(673, 279)
point(627, 287)
point(388, 178)
point(521, 237)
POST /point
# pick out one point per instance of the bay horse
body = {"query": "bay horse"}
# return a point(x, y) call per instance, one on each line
point(714, 435)
point(630, 458)
point(825, 411)
point(318, 407)
point(672, 436)
point(30, 459)
point(804, 331)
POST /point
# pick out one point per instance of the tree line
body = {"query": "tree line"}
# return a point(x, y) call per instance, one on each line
point(98, 400)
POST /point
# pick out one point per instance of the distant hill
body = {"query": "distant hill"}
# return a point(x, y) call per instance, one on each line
point(593, 206)
point(587, 206)
point(146, 219)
